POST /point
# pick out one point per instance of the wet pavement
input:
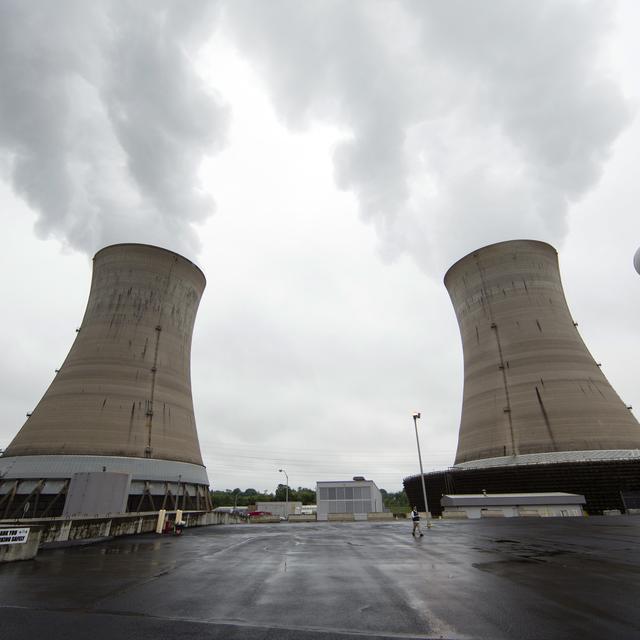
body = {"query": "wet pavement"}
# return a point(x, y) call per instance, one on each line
point(502, 578)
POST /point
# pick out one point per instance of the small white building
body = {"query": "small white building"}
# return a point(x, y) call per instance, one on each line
point(280, 508)
point(353, 499)
point(239, 510)
point(509, 505)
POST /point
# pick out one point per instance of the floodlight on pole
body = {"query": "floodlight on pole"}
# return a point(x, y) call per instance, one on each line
point(416, 416)
point(286, 493)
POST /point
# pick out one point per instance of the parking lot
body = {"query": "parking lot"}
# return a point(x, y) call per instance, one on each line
point(499, 578)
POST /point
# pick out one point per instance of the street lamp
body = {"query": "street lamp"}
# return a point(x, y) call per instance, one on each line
point(424, 490)
point(286, 493)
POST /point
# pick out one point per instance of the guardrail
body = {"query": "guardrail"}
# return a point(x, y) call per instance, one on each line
point(60, 530)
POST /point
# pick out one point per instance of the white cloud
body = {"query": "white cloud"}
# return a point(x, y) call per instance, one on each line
point(447, 125)
point(501, 108)
point(104, 121)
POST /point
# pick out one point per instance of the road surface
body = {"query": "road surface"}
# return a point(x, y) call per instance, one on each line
point(525, 578)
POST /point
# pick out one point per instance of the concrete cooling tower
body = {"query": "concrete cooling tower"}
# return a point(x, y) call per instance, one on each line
point(530, 384)
point(121, 402)
point(538, 414)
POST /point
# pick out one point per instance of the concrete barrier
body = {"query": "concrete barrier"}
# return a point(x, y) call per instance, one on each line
point(387, 515)
point(263, 519)
point(57, 531)
point(485, 513)
point(19, 542)
point(302, 518)
point(340, 517)
point(454, 515)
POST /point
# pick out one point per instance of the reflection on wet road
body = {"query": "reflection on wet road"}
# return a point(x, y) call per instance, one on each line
point(543, 578)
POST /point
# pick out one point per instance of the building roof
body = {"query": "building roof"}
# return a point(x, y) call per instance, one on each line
point(341, 483)
point(64, 466)
point(512, 499)
point(551, 457)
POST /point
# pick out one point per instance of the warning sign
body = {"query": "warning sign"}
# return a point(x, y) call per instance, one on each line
point(14, 536)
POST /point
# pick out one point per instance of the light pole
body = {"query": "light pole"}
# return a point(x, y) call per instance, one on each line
point(286, 493)
point(424, 490)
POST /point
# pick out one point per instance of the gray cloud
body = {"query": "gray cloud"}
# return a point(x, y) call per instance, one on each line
point(468, 122)
point(103, 120)
point(464, 123)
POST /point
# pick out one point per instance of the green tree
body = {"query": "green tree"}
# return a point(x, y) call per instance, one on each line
point(229, 497)
point(222, 498)
point(397, 502)
point(238, 497)
point(306, 496)
point(281, 493)
point(301, 494)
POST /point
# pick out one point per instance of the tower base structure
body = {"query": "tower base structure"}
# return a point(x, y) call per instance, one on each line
point(40, 486)
point(608, 479)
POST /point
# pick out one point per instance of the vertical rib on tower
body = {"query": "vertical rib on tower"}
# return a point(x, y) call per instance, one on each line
point(530, 384)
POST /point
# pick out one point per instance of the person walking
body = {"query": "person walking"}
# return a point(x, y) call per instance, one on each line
point(415, 516)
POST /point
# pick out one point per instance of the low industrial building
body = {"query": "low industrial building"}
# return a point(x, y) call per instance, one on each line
point(510, 505)
point(280, 509)
point(348, 499)
point(235, 510)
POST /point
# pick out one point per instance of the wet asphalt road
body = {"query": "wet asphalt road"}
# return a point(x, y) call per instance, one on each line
point(543, 578)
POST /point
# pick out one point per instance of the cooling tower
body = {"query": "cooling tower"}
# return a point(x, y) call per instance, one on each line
point(538, 414)
point(530, 384)
point(121, 402)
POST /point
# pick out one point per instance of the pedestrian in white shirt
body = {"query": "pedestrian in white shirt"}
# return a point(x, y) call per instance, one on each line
point(415, 516)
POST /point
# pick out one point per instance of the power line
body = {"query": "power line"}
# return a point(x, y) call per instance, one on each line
point(275, 449)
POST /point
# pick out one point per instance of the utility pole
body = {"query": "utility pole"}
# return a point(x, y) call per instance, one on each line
point(286, 494)
point(416, 416)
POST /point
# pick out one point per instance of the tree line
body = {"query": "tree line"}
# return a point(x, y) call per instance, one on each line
point(397, 502)
point(244, 498)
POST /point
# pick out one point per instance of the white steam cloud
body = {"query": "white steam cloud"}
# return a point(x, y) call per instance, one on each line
point(103, 122)
point(471, 122)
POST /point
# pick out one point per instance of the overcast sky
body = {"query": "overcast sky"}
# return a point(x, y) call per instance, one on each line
point(324, 163)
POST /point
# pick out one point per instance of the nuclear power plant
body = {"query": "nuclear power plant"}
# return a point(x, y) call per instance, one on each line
point(538, 414)
point(115, 431)
point(118, 420)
